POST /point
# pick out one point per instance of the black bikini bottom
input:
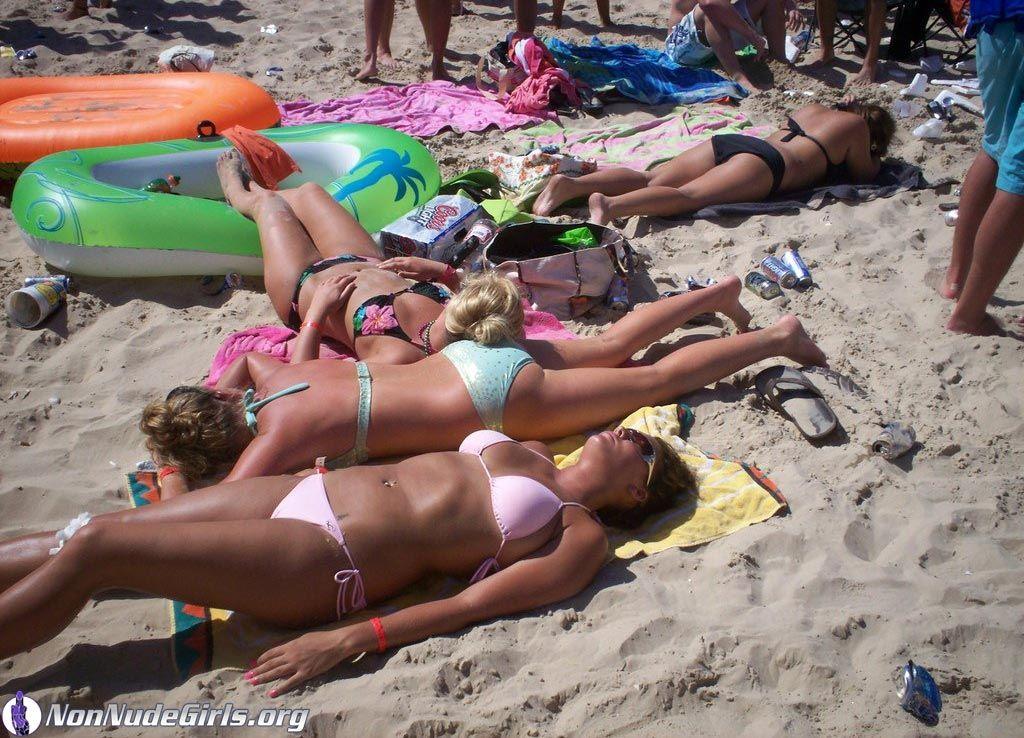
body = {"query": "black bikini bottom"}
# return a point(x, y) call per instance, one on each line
point(727, 145)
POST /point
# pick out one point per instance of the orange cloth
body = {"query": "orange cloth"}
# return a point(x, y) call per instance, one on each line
point(268, 162)
point(961, 9)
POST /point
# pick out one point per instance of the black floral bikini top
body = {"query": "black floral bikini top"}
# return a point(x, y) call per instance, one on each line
point(376, 316)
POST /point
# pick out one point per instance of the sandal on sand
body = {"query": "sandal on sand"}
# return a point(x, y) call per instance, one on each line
point(794, 396)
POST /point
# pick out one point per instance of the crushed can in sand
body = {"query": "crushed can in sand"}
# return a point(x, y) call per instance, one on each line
point(894, 441)
point(62, 278)
point(618, 294)
point(918, 693)
point(761, 286)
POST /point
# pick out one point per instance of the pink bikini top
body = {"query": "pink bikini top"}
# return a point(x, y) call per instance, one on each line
point(521, 505)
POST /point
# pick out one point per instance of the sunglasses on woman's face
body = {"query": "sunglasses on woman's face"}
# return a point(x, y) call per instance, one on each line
point(645, 447)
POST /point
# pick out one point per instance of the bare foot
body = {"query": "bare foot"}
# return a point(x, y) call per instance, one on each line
point(823, 59)
point(440, 75)
point(385, 59)
point(599, 207)
point(369, 71)
point(798, 345)
point(866, 76)
point(746, 82)
point(987, 326)
point(944, 283)
point(235, 182)
point(730, 306)
point(555, 192)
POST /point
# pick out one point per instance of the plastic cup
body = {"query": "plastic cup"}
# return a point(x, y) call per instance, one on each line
point(30, 306)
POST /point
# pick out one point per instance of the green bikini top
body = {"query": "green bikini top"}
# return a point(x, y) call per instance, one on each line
point(251, 408)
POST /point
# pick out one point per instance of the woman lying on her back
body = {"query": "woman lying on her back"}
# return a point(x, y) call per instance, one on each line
point(349, 412)
point(498, 513)
point(316, 255)
point(818, 144)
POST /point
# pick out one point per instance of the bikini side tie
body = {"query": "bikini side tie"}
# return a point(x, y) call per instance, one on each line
point(251, 408)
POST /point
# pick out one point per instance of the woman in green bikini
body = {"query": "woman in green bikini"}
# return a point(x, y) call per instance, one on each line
point(347, 413)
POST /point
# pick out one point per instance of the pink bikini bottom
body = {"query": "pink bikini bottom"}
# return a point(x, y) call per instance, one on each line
point(308, 502)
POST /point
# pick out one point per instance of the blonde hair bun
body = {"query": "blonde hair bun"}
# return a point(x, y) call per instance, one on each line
point(488, 309)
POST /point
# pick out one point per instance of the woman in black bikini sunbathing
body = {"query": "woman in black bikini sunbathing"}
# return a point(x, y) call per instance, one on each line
point(497, 513)
point(315, 254)
point(818, 144)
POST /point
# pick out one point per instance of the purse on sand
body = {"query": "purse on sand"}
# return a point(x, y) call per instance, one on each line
point(562, 279)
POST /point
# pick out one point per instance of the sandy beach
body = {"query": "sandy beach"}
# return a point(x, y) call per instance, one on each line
point(796, 626)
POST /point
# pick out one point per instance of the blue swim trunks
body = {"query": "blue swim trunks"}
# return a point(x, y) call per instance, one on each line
point(1001, 75)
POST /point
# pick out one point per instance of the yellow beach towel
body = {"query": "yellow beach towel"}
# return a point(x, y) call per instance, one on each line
point(731, 496)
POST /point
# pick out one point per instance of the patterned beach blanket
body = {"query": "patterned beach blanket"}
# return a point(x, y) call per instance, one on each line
point(644, 145)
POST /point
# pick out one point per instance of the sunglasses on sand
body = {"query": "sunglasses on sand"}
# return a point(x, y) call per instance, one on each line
point(645, 447)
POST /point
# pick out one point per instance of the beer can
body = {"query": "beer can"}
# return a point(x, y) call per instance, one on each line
point(761, 286)
point(618, 294)
point(60, 278)
point(214, 284)
point(694, 282)
point(919, 694)
point(778, 272)
point(791, 258)
point(894, 440)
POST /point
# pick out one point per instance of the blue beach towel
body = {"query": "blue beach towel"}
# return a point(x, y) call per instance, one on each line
point(645, 75)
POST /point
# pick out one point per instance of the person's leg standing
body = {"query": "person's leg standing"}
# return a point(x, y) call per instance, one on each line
point(825, 11)
point(875, 13)
point(526, 16)
point(1001, 231)
point(772, 17)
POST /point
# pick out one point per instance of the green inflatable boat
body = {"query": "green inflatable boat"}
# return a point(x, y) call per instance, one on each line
point(88, 212)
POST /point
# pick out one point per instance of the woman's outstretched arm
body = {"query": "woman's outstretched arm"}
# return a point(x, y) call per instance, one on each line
point(641, 327)
point(559, 570)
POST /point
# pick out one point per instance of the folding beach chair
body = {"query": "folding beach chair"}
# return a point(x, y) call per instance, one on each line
point(914, 23)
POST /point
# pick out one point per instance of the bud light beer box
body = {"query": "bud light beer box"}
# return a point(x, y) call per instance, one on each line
point(432, 231)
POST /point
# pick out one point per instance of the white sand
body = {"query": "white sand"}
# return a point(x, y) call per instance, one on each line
point(794, 626)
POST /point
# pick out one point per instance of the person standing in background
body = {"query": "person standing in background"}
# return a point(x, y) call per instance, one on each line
point(874, 21)
point(378, 17)
point(990, 229)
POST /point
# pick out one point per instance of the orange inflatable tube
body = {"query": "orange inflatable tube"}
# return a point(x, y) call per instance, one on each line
point(43, 115)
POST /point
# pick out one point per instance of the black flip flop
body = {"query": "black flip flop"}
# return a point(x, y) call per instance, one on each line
point(794, 396)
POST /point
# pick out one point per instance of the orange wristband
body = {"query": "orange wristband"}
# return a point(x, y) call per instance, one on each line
point(166, 471)
point(312, 324)
point(382, 638)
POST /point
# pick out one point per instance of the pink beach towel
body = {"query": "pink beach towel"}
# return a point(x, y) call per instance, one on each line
point(533, 95)
point(277, 342)
point(422, 109)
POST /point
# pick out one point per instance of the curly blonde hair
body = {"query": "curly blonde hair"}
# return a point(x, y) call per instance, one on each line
point(488, 309)
point(193, 429)
point(672, 480)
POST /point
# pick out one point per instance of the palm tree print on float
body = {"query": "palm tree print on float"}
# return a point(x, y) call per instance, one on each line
point(389, 164)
